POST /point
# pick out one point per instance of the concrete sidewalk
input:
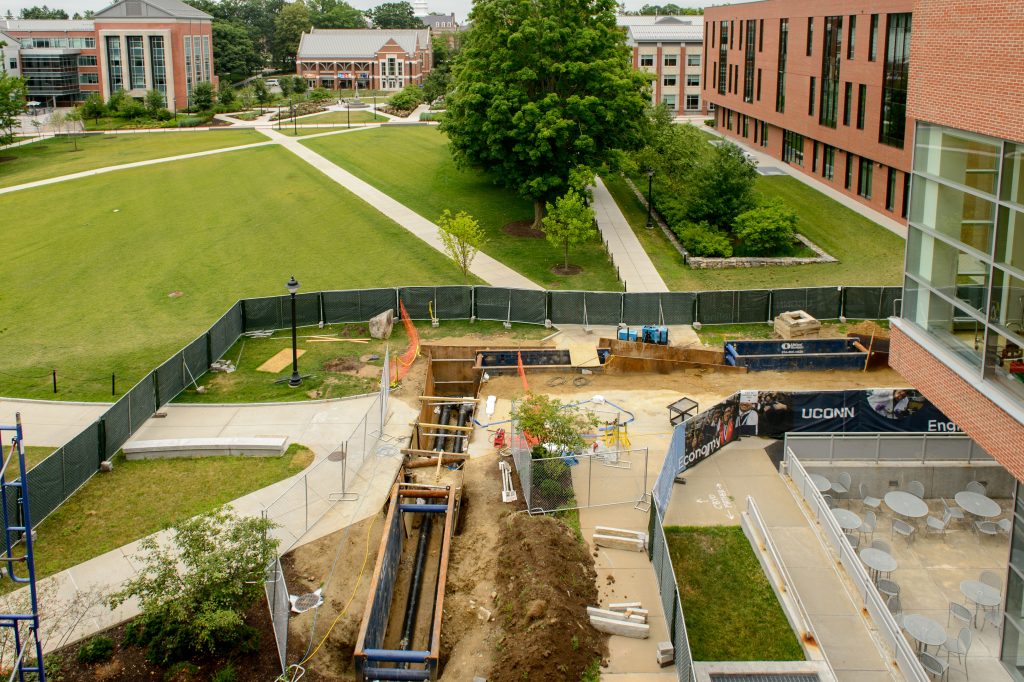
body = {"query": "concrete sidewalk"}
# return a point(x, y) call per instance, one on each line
point(49, 422)
point(635, 266)
point(486, 268)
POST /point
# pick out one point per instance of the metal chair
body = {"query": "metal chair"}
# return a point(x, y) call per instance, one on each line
point(956, 512)
point(903, 528)
point(992, 579)
point(895, 608)
point(992, 617)
point(829, 501)
point(932, 665)
point(937, 525)
point(843, 483)
point(882, 545)
point(976, 487)
point(989, 528)
point(960, 612)
point(916, 488)
point(1005, 525)
point(866, 499)
point(959, 647)
point(854, 540)
point(868, 525)
point(888, 588)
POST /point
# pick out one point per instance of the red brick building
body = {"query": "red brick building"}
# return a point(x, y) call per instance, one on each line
point(377, 59)
point(669, 48)
point(821, 85)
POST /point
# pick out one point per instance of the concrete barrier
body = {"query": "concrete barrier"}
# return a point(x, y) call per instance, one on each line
point(170, 448)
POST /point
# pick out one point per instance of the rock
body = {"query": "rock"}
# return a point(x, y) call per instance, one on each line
point(380, 325)
point(483, 614)
point(536, 609)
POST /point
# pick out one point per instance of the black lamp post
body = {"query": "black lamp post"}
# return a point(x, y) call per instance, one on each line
point(296, 380)
point(650, 197)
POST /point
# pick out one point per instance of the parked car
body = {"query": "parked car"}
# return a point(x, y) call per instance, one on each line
point(273, 83)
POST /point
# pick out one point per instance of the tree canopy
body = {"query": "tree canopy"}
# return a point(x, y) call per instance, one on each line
point(235, 56)
point(13, 91)
point(335, 14)
point(292, 20)
point(669, 9)
point(42, 12)
point(542, 87)
point(394, 15)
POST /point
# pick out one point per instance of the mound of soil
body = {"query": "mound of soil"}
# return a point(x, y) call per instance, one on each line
point(563, 270)
point(522, 228)
point(353, 331)
point(546, 580)
point(867, 328)
point(342, 365)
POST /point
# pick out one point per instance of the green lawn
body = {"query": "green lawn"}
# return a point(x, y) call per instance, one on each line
point(358, 116)
point(328, 379)
point(142, 497)
point(34, 454)
point(732, 613)
point(54, 157)
point(412, 164)
point(95, 267)
point(717, 334)
point(869, 255)
point(302, 132)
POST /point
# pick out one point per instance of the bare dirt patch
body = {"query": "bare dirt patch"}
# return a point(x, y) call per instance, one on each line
point(566, 270)
point(343, 364)
point(868, 328)
point(522, 228)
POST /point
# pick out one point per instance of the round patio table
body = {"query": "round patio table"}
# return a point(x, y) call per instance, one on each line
point(846, 519)
point(983, 596)
point(877, 560)
point(925, 630)
point(820, 482)
point(906, 504)
point(977, 504)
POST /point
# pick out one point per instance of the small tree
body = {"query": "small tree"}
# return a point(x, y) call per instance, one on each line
point(299, 85)
point(286, 87)
point(226, 95)
point(462, 238)
point(247, 96)
point(721, 187)
point(194, 593)
point(202, 95)
point(73, 120)
point(56, 122)
point(13, 92)
point(93, 107)
point(260, 92)
point(569, 222)
point(554, 423)
point(767, 229)
point(154, 101)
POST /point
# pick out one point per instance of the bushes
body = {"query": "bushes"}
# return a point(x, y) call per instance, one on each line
point(191, 122)
point(703, 240)
point(767, 229)
point(321, 95)
point(96, 650)
point(408, 99)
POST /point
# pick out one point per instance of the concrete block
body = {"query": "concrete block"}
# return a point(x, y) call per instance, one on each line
point(623, 628)
point(615, 615)
point(616, 542)
point(624, 606)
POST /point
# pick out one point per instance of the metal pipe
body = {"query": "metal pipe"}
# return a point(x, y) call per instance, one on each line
point(439, 441)
point(464, 414)
point(415, 583)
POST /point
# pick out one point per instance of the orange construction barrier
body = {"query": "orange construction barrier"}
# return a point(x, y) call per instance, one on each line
point(522, 371)
point(404, 361)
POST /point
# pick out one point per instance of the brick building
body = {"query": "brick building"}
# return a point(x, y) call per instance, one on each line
point(821, 85)
point(960, 336)
point(132, 45)
point(669, 48)
point(377, 59)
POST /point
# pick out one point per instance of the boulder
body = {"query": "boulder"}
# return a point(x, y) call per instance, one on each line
point(380, 325)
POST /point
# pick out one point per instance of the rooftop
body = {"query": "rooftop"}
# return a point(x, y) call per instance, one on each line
point(46, 25)
point(668, 33)
point(131, 9)
point(358, 43)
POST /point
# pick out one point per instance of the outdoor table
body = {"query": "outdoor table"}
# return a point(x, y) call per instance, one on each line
point(846, 519)
point(981, 594)
point(977, 504)
point(906, 504)
point(820, 482)
point(878, 561)
point(925, 630)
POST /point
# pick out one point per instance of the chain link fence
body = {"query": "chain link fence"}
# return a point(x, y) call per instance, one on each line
point(276, 589)
point(668, 590)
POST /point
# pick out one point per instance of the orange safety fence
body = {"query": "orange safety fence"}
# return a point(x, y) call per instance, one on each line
point(404, 361)
point(522, 371)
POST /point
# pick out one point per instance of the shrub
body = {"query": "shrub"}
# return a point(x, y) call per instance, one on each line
point(406, 100)
point(321, 95)
point(709, 122)
point(225, 674)
point(720, 187)
point(96, 650)
point(704, 241)
point(202, 95)
point(164, 115)
point(130, 109)
point(767, 229)
point(192, 122)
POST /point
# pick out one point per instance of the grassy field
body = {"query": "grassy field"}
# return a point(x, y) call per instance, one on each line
point(413, 165)
point(358, 116)
point(732, 613)
point(302, 132)
point(869, 255)
point(95, 267)
point(142, 497)
point(54, 157)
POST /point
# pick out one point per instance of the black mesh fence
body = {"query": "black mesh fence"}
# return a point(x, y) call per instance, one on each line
point(870, 303)
point(602, 307)
point(195, 359)
point(117, 426)
point(824, 303)
point(81, 459)
point(641, 309)
point(453, 303)
point(357, 306)
point(142, 402)
point(418, 301)
point(678, 307)
point(226, 331)
point(493, 303)
point(46, 488)
point(731, 307)
point(529, 306)
point(169, 380)
point(566, 307)
point(262, 313)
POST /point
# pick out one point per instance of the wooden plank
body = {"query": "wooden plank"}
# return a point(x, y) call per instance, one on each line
point(618, 627)
point(375, 578)
point(279, 361)
point(450, 427)
point(620, 364)
point(613, 542)
point(430, 453)
point(442, 578)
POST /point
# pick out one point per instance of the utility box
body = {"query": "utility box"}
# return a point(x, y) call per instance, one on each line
point(647, 334)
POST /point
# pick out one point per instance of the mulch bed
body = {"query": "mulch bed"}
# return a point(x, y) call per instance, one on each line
point(562, 270)
point(522, 228)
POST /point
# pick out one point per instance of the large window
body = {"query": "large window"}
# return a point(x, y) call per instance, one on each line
point(158, 65)
point(692, 79)
point(52, 42)
point(723, 57)
point(864, 178)
point(188, 67)
point(87, 60)
point(780, 85)
point(890, 189)
point(851, 44)
point(810, 35)
point(114, 81)
point(847, 102)
point(828, 165)
point(810, 98)
point(693, 60)
point(793, 147)
point(647, 60)
point(136, 63)
point(88, 78)
point(759, 85)
point(862, 105)
point(848, 182)
point(692, 102)
point(671, 60)
point(894, 85)
point(830, 58)
point(669, 81)
point(873, 39)
point(748, 63)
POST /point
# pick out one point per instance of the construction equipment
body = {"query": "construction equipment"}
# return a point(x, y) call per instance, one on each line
point(649, 333)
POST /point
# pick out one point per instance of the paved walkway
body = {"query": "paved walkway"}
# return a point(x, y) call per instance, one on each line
point(634, 265)
point(486, 268)
point(49, 423)
point(714, 495)
point(766, 161)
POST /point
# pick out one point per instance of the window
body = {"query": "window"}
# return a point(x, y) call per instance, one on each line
point(890, 189)
point(83, 60)
point(828, 165)
point(830, 58)
point(669, 101)
point(864, 178)
point(723, 56)
point(746, 126)
point(114, 63)
point(88, 78)
point(136, 63)
point(961, 157)
point(848, 183)
point(693, 79)
point(810, 35)
point(780, 86)
point(748, 64)
point(668, 81)
point(894, 88)
point(852, 40)
point(810, 98)
point(693, 60)
point(728, 119)
point(760, 36)
point(692, 102)
point(814, 158)
point(873, 39)
point(732, 32)
point(647, 60)
point(793, 147)
point(671, 60)
point(862, 105)
point(14, 63)
point(906, 194)
point(714, 76)
point(188, 67)
point(764, 134)
point(847, 103)
point(157, 63)
point(759, 85)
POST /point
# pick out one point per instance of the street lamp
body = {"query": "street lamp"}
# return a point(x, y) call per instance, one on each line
point(650, 197)
point(296, 380)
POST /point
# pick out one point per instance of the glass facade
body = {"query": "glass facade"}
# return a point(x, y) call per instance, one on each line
point(894, 86)
point(723, 56)
point(780, 88)
point(965, 250)
point(748, 63)
point(136, 63)
point(1012, 653)
point(188, 68)
point(47, 41)
point(829, 111)
point(51, 76)
point(793, 148)
point(114, 63)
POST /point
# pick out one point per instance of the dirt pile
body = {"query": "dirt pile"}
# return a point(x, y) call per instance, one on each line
point(546, 580)
point(868, 328)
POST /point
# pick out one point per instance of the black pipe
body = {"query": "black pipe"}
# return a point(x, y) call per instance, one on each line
point(415, 583)
point(461, 444)
point(438, 439)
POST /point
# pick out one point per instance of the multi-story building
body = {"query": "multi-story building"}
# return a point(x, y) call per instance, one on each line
point(132, 45)
point(960, 336)
point(10, 47)
point(669, 48)
point(821, 85)
point(378, 59)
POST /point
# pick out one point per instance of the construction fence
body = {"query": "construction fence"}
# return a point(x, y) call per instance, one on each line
point(668, 590)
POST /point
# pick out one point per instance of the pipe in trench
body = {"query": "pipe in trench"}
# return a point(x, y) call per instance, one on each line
point(461, 444)
point(416, 582)
point(439, 439)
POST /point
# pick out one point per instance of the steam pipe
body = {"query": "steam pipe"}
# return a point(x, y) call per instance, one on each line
point(439, 441)
point(415, 583)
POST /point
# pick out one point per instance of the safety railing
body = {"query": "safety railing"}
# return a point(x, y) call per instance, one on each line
point(668, 590)
point(886, 447)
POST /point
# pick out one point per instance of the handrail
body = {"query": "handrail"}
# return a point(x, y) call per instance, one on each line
point(973, 452)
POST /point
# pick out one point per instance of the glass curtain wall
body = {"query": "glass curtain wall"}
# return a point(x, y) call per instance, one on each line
point(1012, 653)
point(965, 250)
point(829, 110)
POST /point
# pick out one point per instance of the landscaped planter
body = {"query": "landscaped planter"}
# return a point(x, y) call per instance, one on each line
point(699, 263)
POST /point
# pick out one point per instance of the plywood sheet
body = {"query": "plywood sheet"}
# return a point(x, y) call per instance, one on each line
point(279, 361)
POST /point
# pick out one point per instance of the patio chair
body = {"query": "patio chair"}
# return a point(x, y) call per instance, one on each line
point(956, 512)
point(989, 528)
point(867, 500)
point(1005, 525)
point(895, 608)
point(992, 579)
point(960, 612)
point(916, 488)
point(888, 588)
point(829, 501)
point(869, 524)
point(937, 525)
point(882, 545)
point(903, 528)
point(932, 665)
point(992, 617)
point(843, 483)
point(959, 647)
point(854, 540)
point(976, 487)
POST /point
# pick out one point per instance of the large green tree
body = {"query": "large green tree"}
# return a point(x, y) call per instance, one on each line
point(394, 15)
point(13, 91)
point(235, 56)
point(335, 14)
point(42, 12)
point(288, 27)
point(540, 88)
